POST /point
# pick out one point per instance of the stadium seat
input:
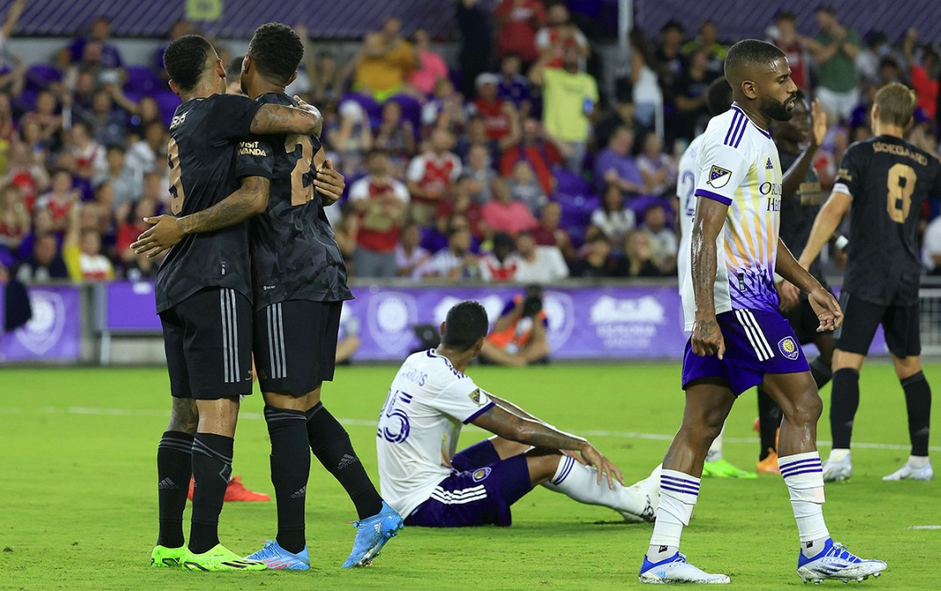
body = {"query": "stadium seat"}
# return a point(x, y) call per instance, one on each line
point(168, 102)
point(41, 76)
point(142, 79)
point(27, 99)
point(569, 183)
point(411, 111)
point(576, 210)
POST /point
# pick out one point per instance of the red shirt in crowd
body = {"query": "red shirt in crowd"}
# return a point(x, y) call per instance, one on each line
point(496, 120)
point(375, 232)
point(434, 173)
point(518, 33)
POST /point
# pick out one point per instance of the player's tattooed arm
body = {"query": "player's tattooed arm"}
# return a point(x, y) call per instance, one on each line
point(249, 200)
point(710, 217)
point(510, 426)
point(828, 218)
point(279, 119)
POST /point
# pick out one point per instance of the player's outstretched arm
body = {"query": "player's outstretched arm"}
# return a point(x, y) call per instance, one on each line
point(795, 175)
point(828, 218)
point(249, 200)
point(533, 432)
point(710, 217)
point(279, 119)
point(822, 301)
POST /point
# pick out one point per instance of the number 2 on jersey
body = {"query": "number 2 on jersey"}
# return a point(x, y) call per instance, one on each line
point(302, 177)
point(902, 180)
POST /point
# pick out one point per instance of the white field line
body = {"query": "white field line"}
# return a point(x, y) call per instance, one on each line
point(256, 416)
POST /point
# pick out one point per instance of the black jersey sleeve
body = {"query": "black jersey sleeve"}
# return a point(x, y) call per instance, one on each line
point(254, 157)
point(850, 173)
point(231, 117)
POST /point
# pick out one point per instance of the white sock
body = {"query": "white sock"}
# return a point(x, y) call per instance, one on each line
point(803, 475)
point(678, 495)
point(917, 461)
point(837, 454)
point(580, 482)
point(715, 450)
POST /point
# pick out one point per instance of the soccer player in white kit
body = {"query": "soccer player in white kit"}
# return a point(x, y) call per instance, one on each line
point(718, 100)
point(430, 485)
point(739, 339)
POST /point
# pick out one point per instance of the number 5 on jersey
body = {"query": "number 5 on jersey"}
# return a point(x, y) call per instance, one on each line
point(393, 422)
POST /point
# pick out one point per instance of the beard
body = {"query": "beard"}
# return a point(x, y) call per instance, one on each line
point(775, 110)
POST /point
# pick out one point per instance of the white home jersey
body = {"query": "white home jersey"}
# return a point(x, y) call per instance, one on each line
point(738, 165)
point(686, 180)
point(419, 426)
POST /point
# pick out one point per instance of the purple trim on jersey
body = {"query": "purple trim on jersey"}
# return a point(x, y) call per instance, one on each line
point(714, 196)
point(478, 413)
point(736, 119)
point(738, 109)
point(740, 132)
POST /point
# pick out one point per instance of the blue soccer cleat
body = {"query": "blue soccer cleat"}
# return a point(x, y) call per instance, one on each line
point(836, 562)
point(372, 534)
point(675, 569)
point(277, 558)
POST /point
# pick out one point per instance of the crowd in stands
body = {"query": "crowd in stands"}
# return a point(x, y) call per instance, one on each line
point(506, 165)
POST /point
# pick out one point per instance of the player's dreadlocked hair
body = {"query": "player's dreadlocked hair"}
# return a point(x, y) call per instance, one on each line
point(185, 60)
point(896, 104)
point(276, 50)
point(748, 53)
point(465, 325)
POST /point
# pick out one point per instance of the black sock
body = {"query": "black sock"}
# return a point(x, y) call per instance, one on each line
point(843, 404)
point(212, 467)
point(821, 372)
point(918, 402)
point(290, 469)
point(769, 419)
point(174, 468)
point(331, 444)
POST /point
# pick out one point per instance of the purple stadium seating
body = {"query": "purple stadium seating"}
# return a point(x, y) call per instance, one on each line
point(142, 79)
point(369, 104)
point(570, 183)
point(168, 102)
point(411, 111)
point(40, 76)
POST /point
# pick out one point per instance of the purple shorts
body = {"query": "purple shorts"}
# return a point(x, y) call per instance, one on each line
point(479, 490)
point(756, 343)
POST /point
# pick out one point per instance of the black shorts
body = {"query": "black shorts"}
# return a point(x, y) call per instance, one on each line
point(296, 345)
point(901, 325)
point(803, 321)
point(208, 340)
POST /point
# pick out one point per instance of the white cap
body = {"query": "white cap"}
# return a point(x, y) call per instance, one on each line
point(486, 78)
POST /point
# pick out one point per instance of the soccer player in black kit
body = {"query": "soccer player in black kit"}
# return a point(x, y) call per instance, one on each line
point(797, 141)
point(886, 179)
point(204, 295)
point(300, 283)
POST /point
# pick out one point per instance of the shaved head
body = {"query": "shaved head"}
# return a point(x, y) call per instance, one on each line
point(761, 80)
point(749, 58)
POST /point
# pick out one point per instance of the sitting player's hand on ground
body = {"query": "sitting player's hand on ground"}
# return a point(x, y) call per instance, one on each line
point(827, 309)
point(329, 183)
point(165, 233)
point(606, 468)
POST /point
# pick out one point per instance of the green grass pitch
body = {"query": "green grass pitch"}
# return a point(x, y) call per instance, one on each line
point(78, 506)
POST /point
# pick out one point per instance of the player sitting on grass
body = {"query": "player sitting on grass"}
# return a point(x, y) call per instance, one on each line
point(422, 477)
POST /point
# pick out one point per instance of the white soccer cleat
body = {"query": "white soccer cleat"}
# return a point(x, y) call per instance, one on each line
point(838, 471)
point(650, 487)
point(836, 562)
point(676, 570)
point(909, 472)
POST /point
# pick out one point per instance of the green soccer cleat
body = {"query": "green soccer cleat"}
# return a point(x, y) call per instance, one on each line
point(219, 559)
point(163, 557)
point(723, 469)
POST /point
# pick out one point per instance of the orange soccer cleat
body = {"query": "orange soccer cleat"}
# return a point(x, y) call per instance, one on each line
point(769, 465)
point(236, 491)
